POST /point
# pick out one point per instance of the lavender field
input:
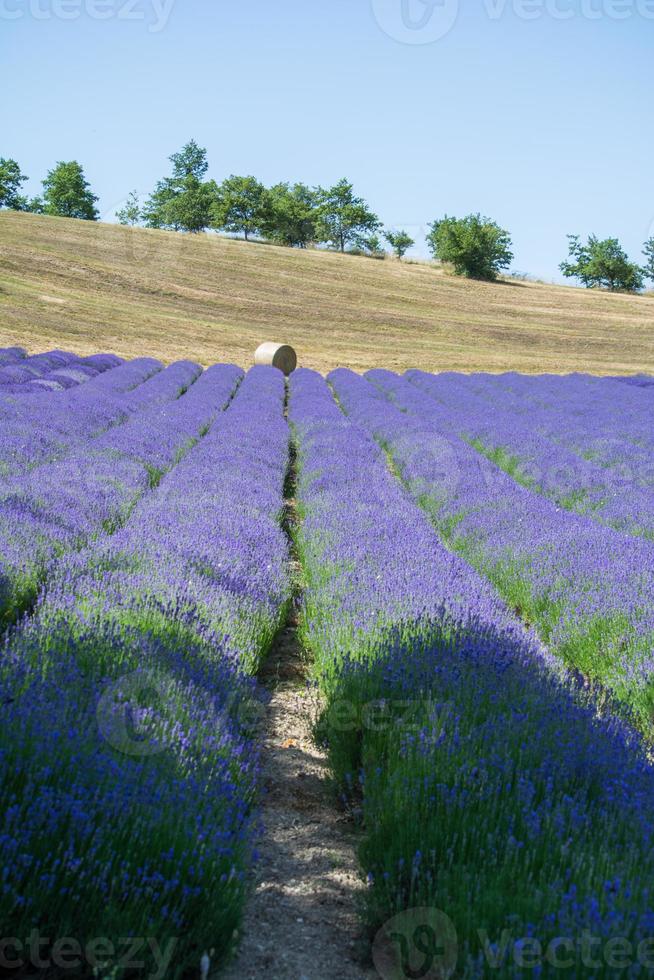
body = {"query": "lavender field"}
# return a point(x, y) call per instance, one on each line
point(469, 563)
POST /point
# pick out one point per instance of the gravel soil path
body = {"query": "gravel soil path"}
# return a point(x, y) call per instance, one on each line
point(301, 921)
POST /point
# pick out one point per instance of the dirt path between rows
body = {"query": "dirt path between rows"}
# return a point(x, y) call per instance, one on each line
point(301, 921)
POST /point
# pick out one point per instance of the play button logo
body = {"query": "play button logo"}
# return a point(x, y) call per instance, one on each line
point(416, 21)
point(419, 944)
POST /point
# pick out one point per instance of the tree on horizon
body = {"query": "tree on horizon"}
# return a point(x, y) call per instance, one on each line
point(400, 242)
point(291, 215)
point(11, 179)
point(343, 218)
point(183, 201)
point(67, 194)
point(241, 206)
point(475, 246)
point(602, 263)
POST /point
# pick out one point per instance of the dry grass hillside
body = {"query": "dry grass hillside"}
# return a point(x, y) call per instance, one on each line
point(90, 287)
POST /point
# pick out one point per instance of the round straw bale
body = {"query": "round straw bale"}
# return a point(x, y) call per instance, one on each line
point(277, 355)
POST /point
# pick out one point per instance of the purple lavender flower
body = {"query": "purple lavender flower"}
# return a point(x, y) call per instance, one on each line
point(127, 760)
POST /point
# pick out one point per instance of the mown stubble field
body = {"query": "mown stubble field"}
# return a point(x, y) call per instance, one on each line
point(87, 287)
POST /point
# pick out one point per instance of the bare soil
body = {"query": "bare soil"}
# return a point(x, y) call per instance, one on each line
point(301, 922)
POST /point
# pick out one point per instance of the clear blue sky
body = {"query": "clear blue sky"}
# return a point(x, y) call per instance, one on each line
point(535, 112)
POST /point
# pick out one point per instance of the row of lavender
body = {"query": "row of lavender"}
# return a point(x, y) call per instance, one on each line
point(584, 442)
point(48, 424)
point(54, 370)
point(489, 788)
point(86, 485)
point(127, 759)
point(11, 355)
point(588, 589)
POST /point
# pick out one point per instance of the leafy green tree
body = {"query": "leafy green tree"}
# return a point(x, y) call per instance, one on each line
point(242, 205)
point(290, 216)
point(343, 218)
point(372, 245)
point(602, 263)
point(66, 193)
point(400, 242)
point(155, 211)
point(11, 179)
point(130, 214)
point(475, 246)
point(648, 252)
point(192, 209)
point(191, 161)
point(183, 201)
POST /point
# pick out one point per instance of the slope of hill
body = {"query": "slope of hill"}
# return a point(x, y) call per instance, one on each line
point(90, 287)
